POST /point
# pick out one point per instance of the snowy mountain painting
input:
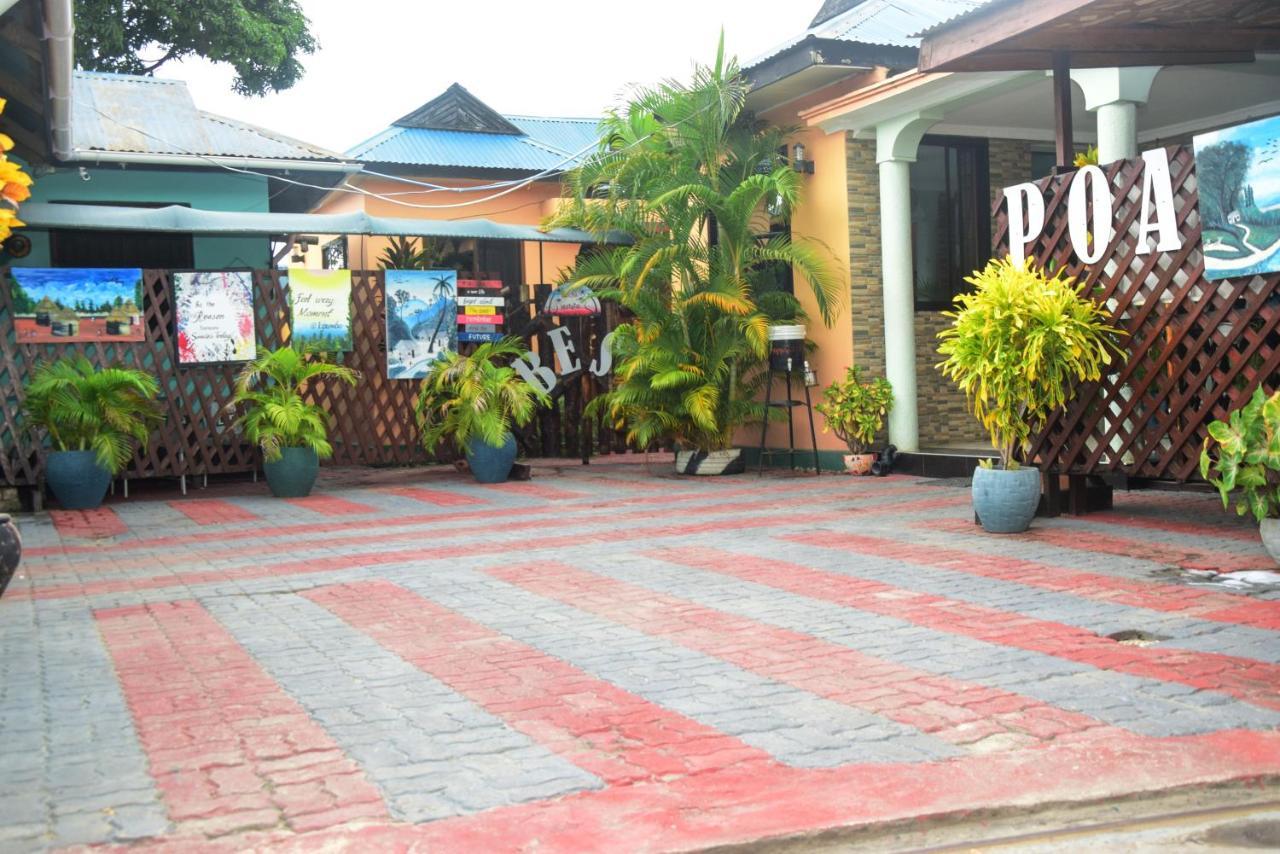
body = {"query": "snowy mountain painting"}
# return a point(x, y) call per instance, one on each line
point(422, 318)
point(1238, 170)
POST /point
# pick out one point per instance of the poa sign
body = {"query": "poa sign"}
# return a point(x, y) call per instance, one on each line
point(1091, 212)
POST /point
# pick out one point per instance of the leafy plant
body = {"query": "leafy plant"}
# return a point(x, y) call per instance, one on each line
point(87, 408)
point(1019, 344)
point(274, 414)
point(1248, 456)
point(1088, 157)
point(688, 175)
point(476, 397)
point(855, 409)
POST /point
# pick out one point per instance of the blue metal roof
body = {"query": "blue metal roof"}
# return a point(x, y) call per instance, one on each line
point(547, 143)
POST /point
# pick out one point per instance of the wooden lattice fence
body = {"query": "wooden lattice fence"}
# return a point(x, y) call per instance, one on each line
point(1195, 349)
point(371, 424)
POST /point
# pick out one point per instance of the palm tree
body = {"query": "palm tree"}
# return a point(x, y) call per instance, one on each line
point(275, 415)
point(686, 174)
point(441, 292)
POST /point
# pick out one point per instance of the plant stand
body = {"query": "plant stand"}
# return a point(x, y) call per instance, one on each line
point(789, 404)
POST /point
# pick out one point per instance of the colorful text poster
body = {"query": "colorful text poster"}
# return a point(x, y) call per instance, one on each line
point(320, 306)
point(213, 313)
point(422, 309)
point(76, 305)
point(1238, 175)
point(480, 307)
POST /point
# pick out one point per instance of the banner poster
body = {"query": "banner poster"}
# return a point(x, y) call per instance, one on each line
point(1238, 174)
point(480, 307)
point(77, 305)
point(320, 308)
point(213, 315)
point(422, 309)
point(572, 301)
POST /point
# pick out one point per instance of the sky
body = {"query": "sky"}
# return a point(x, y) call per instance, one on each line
point(380, 59)
point(1264, 167)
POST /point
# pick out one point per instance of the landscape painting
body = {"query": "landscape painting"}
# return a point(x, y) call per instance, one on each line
point(320, 309)
point(422, 312)
point(1238, 170)
point(213, 314)
point(76, 305)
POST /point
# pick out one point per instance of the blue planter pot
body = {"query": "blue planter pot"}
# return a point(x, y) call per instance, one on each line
point(1006, 501)
point(293, 475)
point(10, 550)
point(490, 464)
point(76, 479)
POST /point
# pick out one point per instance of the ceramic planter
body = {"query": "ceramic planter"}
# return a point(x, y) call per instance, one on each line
point(1270, 530)
point(710, 462)
point(491, 464)
point(859, 464)
point(10, 550)
point(293, 474)
point(76, 479)
point(1006, 501)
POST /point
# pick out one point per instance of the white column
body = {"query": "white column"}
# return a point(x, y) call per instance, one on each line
point(1113, 96)
point(896, 143)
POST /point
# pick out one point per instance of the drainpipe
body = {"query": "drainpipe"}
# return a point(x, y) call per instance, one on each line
point(59, 36)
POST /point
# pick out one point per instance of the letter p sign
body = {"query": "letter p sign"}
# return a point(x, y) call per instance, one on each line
point(1023, 226)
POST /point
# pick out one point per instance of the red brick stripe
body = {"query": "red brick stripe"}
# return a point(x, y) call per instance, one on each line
point(599, 727)
point(438, 497)
point(536, 490)
point(1249, 680)
point(331, 505)
point(228, 748)
point(211, 511)
point(1175, 526)
point(88, 524)
point(955, 711)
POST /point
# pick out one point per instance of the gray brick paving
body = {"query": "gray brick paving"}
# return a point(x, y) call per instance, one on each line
point(432, 752)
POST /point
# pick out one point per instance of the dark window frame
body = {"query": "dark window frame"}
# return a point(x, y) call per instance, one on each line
point(980, 146)
point(183, 243)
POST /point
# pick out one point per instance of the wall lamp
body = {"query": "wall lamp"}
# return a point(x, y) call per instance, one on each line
point(798, 162)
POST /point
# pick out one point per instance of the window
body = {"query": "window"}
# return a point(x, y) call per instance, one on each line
point(149, 250)
point(950, 218)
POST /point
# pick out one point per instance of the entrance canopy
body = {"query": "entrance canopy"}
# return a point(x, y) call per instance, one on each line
point(1009, 35)
point(176, 218)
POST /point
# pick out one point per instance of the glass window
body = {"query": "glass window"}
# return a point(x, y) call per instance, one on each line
point(950, 218)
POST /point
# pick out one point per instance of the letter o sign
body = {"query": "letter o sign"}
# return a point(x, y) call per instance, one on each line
point(1089, 186)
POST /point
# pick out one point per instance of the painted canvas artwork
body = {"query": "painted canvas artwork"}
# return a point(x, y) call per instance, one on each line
point(1238, 170)
point(320, 306)
point(76, 305)
point(422, 312)
point(213, 314)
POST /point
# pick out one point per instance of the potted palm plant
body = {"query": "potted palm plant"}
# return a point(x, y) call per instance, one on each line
point(1248, 461)
point(474, 401)
point(855, 410)
point(93, 416)
point(1017, 346)
point(293, 434)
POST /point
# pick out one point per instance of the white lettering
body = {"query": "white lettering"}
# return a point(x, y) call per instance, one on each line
point(536, 374)
point(1089, 186)
point(605, 363)
point(1022, 232)
point(1156, 182)
point(563, 346)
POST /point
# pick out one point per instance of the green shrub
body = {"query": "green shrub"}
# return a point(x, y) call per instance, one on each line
point(1248, 456)
point(855, 410)
point(274, 415)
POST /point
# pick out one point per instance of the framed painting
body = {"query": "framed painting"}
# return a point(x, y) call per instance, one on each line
point(213, 316)
point(72, 305)
point(1238, 174)
point(422, 325)
point(320, 309)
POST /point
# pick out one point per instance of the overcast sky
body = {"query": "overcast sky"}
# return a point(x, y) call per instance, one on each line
point(379, 59)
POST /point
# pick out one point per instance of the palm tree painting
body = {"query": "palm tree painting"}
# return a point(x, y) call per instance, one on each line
point(422, 317)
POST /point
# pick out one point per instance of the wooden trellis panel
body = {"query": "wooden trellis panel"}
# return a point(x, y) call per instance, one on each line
point(1195, 349)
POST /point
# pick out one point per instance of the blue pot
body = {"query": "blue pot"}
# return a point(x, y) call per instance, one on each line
point(491, 464)
point(293, 475)
point(1006, 501)
point(76, 479)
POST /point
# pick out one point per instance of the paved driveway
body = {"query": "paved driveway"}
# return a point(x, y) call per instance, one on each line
point(611, 658)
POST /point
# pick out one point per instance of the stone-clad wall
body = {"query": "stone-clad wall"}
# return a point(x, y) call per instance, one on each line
point(944, 418)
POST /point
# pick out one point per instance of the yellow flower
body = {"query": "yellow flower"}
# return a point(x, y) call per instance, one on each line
point(8, 221)
point(6, 142)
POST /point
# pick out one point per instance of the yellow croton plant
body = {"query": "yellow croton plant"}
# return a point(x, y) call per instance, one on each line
point(15, 186)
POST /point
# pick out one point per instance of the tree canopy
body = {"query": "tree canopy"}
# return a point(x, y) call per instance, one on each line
point(261, 39)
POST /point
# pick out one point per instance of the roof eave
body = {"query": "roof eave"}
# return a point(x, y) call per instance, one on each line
point(210, 161)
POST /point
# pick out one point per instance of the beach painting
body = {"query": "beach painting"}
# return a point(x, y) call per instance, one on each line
point(422, 320)
point(76, 305)
point(320, 308)
point(213, 315)
point(1238, 172)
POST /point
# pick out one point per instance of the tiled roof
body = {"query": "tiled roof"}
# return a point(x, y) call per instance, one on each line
point(144, 115)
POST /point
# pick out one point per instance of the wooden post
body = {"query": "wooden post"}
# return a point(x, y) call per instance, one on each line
point(1062, 111)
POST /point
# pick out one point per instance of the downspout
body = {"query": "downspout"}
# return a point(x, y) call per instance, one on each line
point(59, 37)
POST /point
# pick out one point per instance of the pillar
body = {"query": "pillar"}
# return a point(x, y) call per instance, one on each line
point(897, 141)
point(1113, 96)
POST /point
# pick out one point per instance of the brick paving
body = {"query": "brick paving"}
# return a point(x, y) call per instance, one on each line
point(611, 658)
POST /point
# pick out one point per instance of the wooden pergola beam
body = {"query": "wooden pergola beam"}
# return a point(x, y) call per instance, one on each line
point(1159, 40)
point(988, 30)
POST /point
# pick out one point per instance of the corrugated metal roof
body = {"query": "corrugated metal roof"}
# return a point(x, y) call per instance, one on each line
point(143, 115)
point(879, 22)
point(548, 143)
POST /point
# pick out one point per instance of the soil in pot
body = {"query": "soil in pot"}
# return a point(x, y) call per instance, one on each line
point(1006, 501)
point(76, 479)
point(859, 464)
point(710, 462)
point(490, 464)
point(293, 474)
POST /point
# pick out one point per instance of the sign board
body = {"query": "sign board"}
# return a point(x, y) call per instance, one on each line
point(572, 301)
point(534, 372)
point(480, 307)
